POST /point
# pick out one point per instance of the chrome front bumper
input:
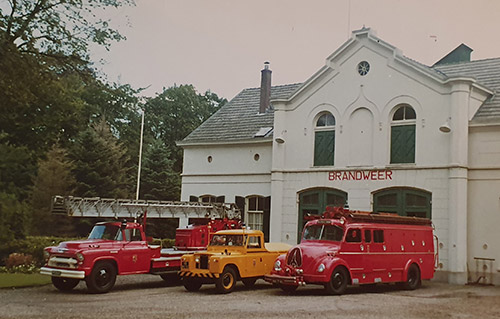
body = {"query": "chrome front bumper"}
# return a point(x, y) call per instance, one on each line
point(285, 280)
point(56, 272)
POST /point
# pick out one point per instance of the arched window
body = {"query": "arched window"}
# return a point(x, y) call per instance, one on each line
point(403, 201)
point(324, 140)
point(403, 135)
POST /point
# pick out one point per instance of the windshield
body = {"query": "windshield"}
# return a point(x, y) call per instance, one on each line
point(227, 240)
point(323, 232)
point(110, 232)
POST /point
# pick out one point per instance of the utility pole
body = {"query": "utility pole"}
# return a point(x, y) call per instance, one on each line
point(140, 158)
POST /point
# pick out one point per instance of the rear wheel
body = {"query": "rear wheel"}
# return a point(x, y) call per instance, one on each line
point(249, 282)
point(170, 278)
point(64, 284)
point(413, 280)
point(102, 278)
point(226, 282)
point(191, 284)
point(338, 282)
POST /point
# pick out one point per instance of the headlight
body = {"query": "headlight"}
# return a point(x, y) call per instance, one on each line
point(277, 265)
point(321, 268)
point(197, 259)
point(46, 255)
point(80, 256)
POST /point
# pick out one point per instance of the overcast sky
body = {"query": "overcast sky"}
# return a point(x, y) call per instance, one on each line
point(221, 45)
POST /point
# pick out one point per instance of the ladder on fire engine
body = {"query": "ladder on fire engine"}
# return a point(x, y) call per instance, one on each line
point(129, 208)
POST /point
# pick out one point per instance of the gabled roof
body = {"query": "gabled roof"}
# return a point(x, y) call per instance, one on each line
point(487, 73)
point(239, 120)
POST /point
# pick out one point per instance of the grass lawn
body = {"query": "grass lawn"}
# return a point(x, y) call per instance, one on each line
point(23, 280)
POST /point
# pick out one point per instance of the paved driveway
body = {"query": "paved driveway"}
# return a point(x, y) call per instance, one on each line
point(147, 297)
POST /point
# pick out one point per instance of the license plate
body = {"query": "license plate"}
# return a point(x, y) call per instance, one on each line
point(56, 273)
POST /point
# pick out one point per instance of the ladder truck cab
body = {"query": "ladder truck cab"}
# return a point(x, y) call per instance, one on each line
point(344, 247)
point(122, 248)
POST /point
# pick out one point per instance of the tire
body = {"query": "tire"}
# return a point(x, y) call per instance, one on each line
point(338, 281)
point(288, 289)
point(65, 284)
point(226, 282)
point(102, 278)
point(191, 284)
point(249, 282)
point(413, 280)
point(170, 278)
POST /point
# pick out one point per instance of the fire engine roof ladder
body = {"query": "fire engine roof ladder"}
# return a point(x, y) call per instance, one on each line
point(128, 208)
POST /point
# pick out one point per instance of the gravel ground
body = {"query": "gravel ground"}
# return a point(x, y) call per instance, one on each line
point(147, 296)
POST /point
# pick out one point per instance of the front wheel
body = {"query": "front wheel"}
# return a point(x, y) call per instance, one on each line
point(338, 281)
point(64, 284)
point(191, 284)
point(226, 282)
point(413, 280)
point(102, 278)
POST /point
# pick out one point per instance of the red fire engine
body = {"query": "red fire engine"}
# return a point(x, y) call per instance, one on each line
point(346, 247)
point(121, 248)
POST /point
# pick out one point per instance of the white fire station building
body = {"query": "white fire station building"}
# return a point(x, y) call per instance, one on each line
point(374, 130)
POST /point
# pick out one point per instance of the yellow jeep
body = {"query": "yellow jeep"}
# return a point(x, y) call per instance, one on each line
point(230, 256)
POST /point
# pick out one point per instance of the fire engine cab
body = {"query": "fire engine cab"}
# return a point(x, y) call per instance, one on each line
point(345, 247)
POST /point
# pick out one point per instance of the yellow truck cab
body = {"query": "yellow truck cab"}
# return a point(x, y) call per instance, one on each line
point(232, 255)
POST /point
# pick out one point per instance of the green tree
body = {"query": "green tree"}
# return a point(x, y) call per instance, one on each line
point(158, 180)
point(17, 168)
point(176, 112)
point(54, 178)
point(14, 218)
point(100, 164)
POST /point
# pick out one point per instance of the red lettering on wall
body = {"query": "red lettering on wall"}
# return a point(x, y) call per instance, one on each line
point(375, 175)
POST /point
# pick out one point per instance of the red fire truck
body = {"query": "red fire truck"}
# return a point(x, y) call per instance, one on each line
point(346, 247)
point(122, 248)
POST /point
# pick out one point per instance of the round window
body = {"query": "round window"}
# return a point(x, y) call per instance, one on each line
point(363, 68)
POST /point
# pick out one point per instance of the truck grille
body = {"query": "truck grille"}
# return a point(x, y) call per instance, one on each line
point(62, 262)
point(294, 258)
point(203, 264)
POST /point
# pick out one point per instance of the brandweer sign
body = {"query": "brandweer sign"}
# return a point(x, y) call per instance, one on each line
point(375, 175)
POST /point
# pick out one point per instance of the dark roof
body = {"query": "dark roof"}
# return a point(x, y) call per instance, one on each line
point(239, 120)
point(487, 73)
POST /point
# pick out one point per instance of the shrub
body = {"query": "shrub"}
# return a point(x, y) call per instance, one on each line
point(32, 245)
point(19, 263)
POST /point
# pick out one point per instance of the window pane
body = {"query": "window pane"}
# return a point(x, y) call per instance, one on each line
point(378, 236)
point(252, 203)
point(399, 114)
point(334, 200)
point(311, 199)
point(410, 113)
point(387, 200)
point(353, 236)
point(368, 236)
point(416, 200)
point(326, 120)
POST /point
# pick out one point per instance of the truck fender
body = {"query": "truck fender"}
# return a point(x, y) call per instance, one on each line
point(331, 264)
point(407, 266)
point(109, 259)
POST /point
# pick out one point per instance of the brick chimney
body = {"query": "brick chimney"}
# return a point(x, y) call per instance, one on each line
point(265, 88)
